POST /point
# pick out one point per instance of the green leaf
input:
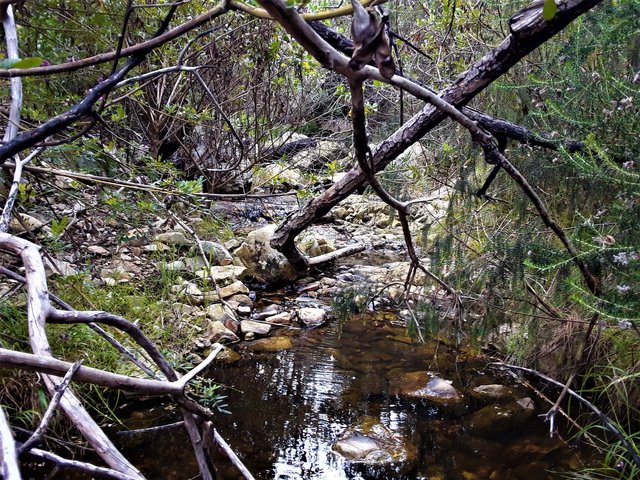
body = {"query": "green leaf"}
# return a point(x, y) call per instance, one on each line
point(549, 10)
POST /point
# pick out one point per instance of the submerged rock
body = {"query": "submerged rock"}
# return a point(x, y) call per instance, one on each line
point(428, 386)
point(493, 418)
point(273, 344)
point(372, 443)
point(492, 393)
point(356, 446)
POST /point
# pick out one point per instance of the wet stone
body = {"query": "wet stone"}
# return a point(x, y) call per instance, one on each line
point(257, 328)
point(492, 393)
point(217, 332)
point(372, 443)
point(272, 344)
point(311, 317)
point(495, 418)
point(428, 386)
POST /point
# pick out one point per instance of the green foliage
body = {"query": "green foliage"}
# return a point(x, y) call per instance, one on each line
point(206, 391)
point(427, 321)
point(351, 300)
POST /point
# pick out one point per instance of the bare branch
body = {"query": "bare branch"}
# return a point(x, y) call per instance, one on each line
point(9, 468)
point(140, 48)
point(603, 418)
point(11, 39)
point(82, 466)
point(469, 84)
point(55, 367)
point(5, 218)
point(227, 449)
point(36, 437)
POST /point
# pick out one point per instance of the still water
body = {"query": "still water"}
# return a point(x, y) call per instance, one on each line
point(289, 408)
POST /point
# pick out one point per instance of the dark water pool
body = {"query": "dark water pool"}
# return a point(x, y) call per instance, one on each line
point(290, 407)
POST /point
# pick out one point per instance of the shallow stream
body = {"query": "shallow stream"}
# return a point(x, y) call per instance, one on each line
point(289, 408)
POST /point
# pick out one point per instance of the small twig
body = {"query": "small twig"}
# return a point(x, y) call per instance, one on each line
point(36, 437)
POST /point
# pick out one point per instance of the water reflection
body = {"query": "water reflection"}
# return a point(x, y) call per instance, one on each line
point(291, 407)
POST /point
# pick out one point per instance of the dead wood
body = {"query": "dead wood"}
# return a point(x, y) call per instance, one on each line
point(9, 469)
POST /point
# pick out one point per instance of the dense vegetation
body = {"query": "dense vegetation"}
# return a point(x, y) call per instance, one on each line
point(228, 93)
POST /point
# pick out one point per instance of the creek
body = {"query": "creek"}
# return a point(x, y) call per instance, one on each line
point(289, 408)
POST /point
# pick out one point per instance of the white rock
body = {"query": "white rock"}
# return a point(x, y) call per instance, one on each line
point(173, 238)
point(98, 250)
point(311, 317)
point(257, 328)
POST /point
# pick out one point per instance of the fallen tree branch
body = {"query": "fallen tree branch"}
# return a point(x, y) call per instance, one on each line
point(608, 424)
point(95, 376)
point(37, 312)
point(497, 126)
point(9, 468)
point(227, 449)
point(97, 179)
point(62, 462)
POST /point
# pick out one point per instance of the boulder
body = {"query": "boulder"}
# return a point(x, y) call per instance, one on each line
point(217, 332)
point(221, 273)
point(311, 317)
point(278, 176)
point(175, 266)
point(315, 244)
point(372, 443)
point(225, 292)
point(177, 238)
point(263, 262)
point(324, 152)
point(188, 292)
point(216, 253)
point(492, 393)
point(226, 355)
point(217, 311)
point(283, 318)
